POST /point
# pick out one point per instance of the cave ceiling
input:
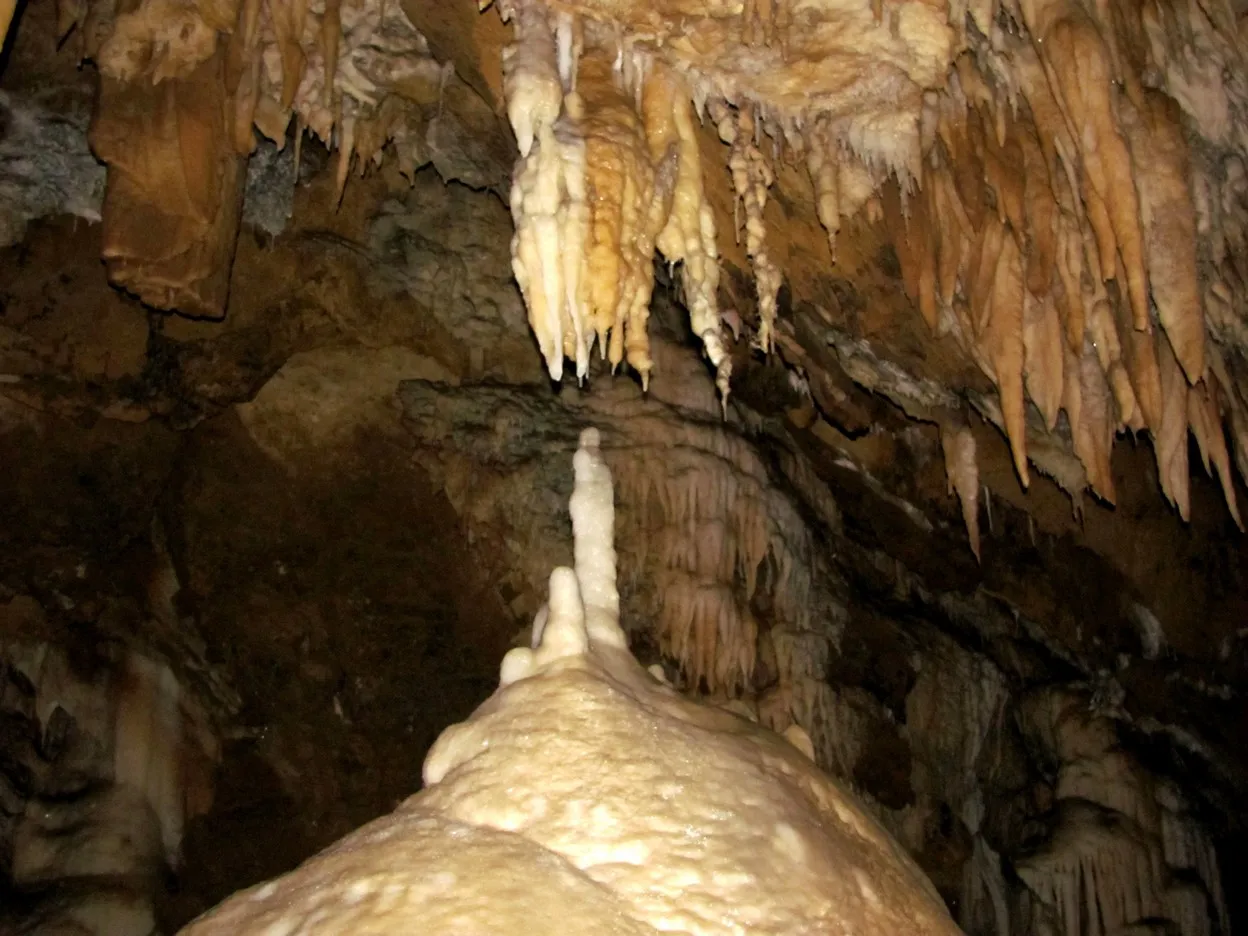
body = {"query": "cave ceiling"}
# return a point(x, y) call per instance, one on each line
point(1058, 185)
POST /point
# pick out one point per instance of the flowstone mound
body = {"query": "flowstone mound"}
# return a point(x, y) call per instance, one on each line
point(588, 796)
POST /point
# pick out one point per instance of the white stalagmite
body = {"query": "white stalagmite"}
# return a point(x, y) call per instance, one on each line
point(593, 528)
point(584, 603)
point(587, 797)
point(148, 742)
point(143, 760)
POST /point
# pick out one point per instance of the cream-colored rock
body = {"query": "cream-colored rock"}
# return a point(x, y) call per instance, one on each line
point(585, 796)
point(320, 399)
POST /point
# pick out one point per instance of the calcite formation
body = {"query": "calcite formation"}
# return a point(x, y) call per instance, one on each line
point(1073, 276)
point(610, 169)
point(1064, 182)
point(126, 760)
point(588, 796)
point(186, 85)
point(1125, 847)
point(1034, 166)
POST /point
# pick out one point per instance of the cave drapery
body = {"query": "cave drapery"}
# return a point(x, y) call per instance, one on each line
point(903, 320)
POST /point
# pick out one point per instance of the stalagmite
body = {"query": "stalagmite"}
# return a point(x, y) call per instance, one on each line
point(584, 788)
point(593, 528)
point(100, 828)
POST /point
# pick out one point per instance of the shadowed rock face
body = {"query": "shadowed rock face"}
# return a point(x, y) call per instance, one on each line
point(587, 796)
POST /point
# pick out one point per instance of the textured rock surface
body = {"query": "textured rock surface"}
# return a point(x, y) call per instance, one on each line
point(45, 166)
point(349, 471)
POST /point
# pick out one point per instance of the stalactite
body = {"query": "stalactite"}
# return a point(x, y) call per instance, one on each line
point(548, 194)
point(1087, 166)
point(688, 236)
point(1099, 871)
point(752, 176)
point(821, 162)
point(644, 173)
point(169, 234)
point(963, 471)
point(1124, 842)
point(1091, 179)
point(718, 524)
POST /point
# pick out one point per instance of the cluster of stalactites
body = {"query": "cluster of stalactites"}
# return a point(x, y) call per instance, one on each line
point(548, 195)
point(1125, 846)
point(609, 170)
point(1055, 223)
point(752, 176)
point(713, 535)
point(1055, 236)
point(353, 75)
